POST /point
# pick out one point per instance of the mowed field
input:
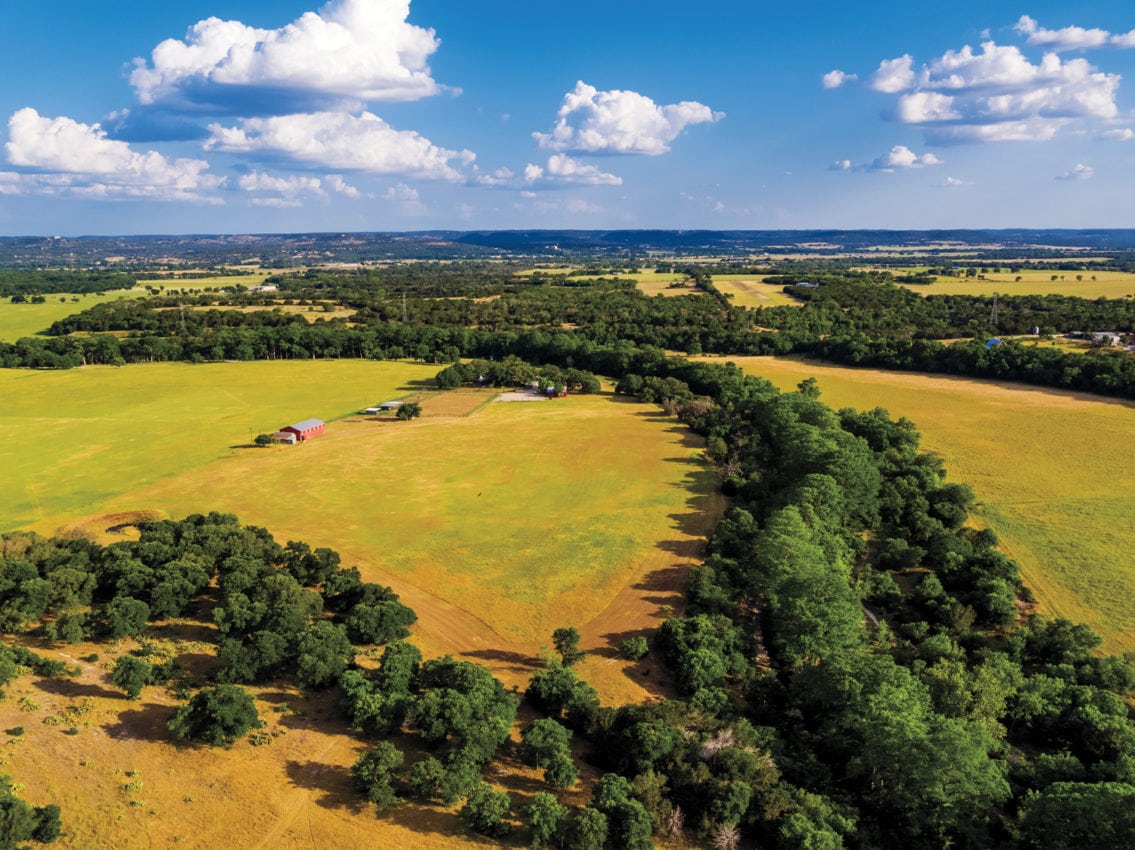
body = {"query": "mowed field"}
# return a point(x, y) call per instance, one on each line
point(1105, 285)
point(1053, 472)
point(750, 291)
point(71, 440)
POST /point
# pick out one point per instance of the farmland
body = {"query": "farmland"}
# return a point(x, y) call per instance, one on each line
point(74, 439)
point(1060, 502)
point(1098, 284)
point(448, 509)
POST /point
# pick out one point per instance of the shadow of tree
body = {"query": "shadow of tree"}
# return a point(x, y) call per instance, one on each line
point(146, 723)
point(73, 689)
point(514, 662)
point(331, 782)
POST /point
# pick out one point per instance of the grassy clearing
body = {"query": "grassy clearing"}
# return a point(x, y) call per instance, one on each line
point(1053, 472)
point(1106, 284)
point(20, 320)
point(203, 284)
point(524, 516)
point(71, 440)
point(496, 522)
point(749, 291)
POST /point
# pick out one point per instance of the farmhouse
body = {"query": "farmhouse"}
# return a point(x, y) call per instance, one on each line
point(288, 437)
point(305, 430)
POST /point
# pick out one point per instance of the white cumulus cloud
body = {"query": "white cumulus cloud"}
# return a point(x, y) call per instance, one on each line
point(901, 158)
point(1124, 134)
point(562, 168)
point(835, 79)
point(1078, 172)
point(624, 122)
point(363, 49)
point(1072, 37)
point(71, 157)
point(995, 94)
point(339, 140)
point(894, 75)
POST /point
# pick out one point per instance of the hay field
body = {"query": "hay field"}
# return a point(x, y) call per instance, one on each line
point(71, 440)
point(1053, 471)
point(749, 291)
point(20, 320)
point(1106, 284)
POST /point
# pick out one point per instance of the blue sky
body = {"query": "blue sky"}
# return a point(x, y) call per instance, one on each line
point(201, 116)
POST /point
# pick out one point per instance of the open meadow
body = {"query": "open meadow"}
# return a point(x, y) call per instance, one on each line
point(20, 320)
point(496, 522)
point(1053, 473)
point(750, 291)
point(1097, 284)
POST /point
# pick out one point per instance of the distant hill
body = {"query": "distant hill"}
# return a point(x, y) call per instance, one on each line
point(307, 249)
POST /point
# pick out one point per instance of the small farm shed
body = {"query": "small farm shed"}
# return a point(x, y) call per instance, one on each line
point(284, 437)
point(307, 429)
point(390, 405)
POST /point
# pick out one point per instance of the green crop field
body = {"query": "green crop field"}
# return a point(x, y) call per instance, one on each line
point(20, 320)
point(1053, 472)
point(1105, 285)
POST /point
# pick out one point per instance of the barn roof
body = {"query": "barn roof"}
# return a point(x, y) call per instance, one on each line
point(307, 425)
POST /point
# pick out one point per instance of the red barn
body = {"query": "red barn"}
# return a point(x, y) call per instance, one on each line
point(307, 429)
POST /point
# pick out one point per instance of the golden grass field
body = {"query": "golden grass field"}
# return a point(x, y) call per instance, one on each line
point(1106, 284)
point(750, 291)
point(497, 522)
point(1053, 472)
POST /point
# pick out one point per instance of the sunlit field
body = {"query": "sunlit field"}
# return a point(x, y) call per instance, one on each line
point(1104, 285)
point(750, 291)
point(20, 320)
point(1053, 472)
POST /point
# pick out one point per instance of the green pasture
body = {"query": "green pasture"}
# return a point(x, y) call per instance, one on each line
point(528, 515)
point(71, 440)
point(20, 320)
point(1053, 473)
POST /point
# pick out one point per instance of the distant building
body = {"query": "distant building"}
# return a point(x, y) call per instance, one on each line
point(306, 430)
point(267, 287)
point(284, 437)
